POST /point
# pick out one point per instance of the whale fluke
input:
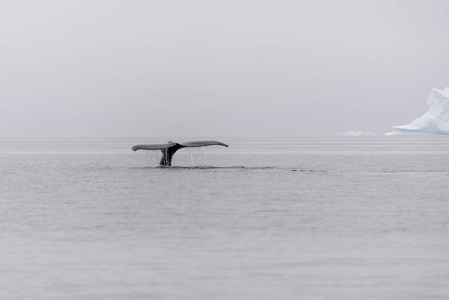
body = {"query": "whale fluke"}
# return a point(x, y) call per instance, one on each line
point(153, 146)
point(169, 149)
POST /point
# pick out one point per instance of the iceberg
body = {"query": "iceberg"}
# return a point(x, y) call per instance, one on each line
point(356, 133)
point(434, 121)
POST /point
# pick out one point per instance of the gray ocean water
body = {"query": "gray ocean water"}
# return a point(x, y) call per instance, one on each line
point(266, 218)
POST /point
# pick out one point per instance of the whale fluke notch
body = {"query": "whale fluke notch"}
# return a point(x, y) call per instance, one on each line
point(169, 149)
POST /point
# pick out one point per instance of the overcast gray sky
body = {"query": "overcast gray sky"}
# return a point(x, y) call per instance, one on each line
point(218, 68)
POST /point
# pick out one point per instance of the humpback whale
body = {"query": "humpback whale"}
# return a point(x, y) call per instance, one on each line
point(169, 149)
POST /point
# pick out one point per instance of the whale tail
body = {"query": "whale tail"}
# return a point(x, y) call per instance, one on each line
point(169, 149)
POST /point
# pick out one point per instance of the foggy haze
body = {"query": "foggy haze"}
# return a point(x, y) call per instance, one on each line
point(218, 68)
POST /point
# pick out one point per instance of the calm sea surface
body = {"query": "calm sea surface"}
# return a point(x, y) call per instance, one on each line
point(266, 218)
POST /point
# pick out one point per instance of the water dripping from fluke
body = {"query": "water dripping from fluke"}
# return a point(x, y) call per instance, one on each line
point(191, 157)
point(204, 156)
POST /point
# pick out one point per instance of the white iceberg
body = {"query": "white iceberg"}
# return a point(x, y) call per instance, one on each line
point(434, 121)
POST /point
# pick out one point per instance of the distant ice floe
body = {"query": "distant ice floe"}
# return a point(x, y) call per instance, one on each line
point(356, 133)
point(434, 121)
